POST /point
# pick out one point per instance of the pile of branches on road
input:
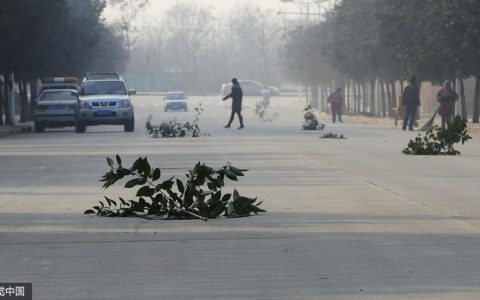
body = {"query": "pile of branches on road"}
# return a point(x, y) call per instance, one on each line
point(199, 197)
point(440, 141)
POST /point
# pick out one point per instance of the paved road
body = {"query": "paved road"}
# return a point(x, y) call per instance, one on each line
point(347, 219)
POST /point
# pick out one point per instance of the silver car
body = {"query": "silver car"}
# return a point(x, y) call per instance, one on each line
point(104, 100)
point(249, 88)
point(55, 108)
point(175, 101)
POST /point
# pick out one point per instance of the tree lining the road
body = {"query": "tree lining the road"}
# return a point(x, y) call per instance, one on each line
point(375, 43)
point(49, 38)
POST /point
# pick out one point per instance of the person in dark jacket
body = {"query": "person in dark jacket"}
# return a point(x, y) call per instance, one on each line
point(411, 101)
point(236, 96)
point(447, 97)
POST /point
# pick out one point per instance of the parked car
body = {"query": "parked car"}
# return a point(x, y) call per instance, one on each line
point(55, 108)
point(176, 101)
point(53, 83)
point(104, 100)
point(249, 88)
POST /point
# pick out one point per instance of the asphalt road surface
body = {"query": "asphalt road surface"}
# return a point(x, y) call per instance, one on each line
point(347, 219)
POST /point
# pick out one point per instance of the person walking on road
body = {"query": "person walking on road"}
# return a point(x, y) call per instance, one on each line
point(336, 103)
point(266, 96)
point(411, 102)
point(447, 97)
point(236, 95)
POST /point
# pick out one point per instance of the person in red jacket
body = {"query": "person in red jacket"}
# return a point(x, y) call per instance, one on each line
point(447, 97)
point(336, 103)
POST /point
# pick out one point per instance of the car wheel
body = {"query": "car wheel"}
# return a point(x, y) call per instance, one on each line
point(39, 127)
point(185, 109)
point(129, 126)
point(165, 109)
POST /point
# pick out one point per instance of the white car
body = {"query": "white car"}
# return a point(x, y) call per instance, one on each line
point(249, 88)
point(55, 108)
point(104, 100)
point(175, 101)
point(62, 83)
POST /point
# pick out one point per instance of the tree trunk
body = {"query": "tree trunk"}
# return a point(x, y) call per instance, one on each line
point(325, 97)
point(389, 100)
point(373, 109)
point(347, 98)
point(359, 99)
point(394, 98)
point(2, 101)
point(476, 100)
point(364, 98)
point(383, 101)
point(454, 87)
point(463, 100)
point(307, 95)
point(320, 98)
point(314, 96)
point(354, 98)
point(8, 89)
point(33, 97)
point(24, 105)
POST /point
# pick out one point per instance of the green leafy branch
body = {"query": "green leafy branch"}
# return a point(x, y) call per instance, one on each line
point(311, 122)
point(173, 128)
point(200, 197)
point(440, 141)
point(332, 136)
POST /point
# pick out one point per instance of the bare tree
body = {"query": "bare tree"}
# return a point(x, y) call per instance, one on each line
point(128, 14)
point(188, 29)
point(258, 36)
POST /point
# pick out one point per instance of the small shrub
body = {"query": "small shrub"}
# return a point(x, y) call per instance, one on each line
point(173, 128)
point(199, 197)
point(261, 111)
point(333, 136)
point(439, 141)
point(311, 122)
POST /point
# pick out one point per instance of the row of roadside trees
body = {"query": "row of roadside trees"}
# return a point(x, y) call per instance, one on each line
point(372, 45)
point(51, 38)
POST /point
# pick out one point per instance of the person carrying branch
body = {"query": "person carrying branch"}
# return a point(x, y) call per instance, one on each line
point(447, 97)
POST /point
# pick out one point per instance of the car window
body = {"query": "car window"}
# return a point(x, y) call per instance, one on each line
point(57, 96)
point(172, 96)
point(103, 87)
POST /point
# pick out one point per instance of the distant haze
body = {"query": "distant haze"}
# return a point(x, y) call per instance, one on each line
point(157, 7)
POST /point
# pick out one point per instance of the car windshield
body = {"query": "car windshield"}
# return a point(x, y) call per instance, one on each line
point(172, 96)
point(57, 96)
point(103, 87)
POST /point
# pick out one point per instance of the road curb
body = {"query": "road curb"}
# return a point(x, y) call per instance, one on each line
point(473, 128)
point(12, 130)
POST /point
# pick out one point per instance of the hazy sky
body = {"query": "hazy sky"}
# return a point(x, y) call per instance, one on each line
point(156, 7)
point(219, 5)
